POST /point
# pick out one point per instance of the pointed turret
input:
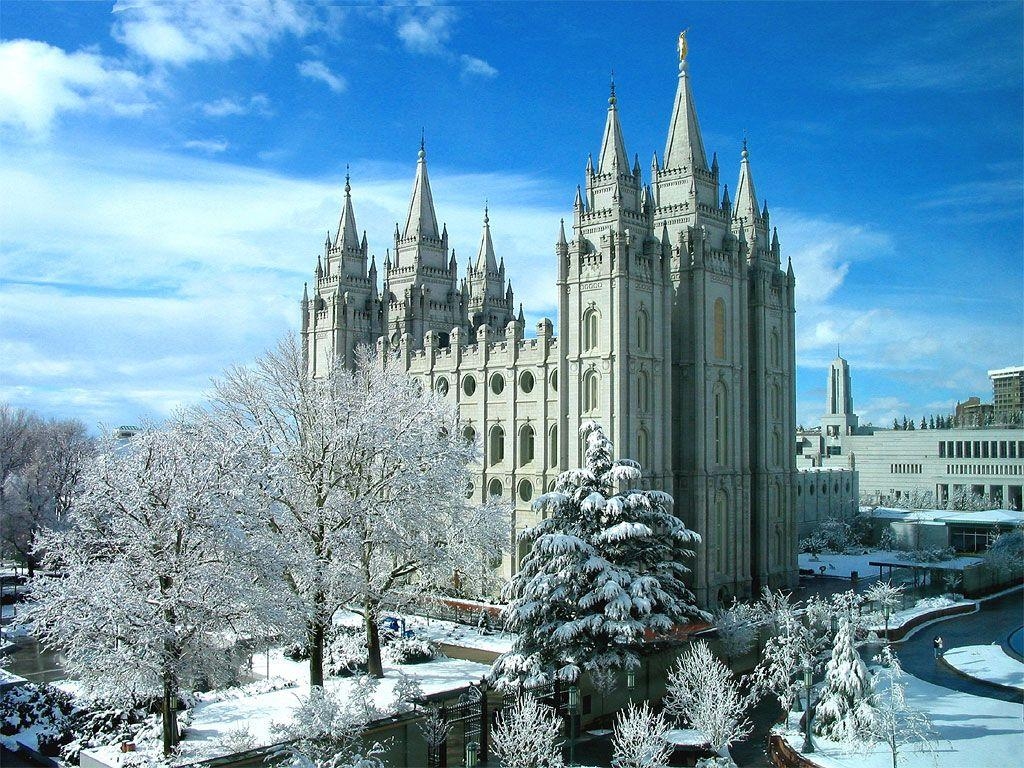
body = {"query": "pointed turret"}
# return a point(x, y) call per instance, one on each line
point(613, 148)
point(655, 166)
point(745, 210)
point(714, 163)
point(563, 244)
point(684, 146)
point(347, 236)
point(305, 294)
point(590, 165)
point(636, 165)
point(521, 319)
point(486, 260)
point(421, 220)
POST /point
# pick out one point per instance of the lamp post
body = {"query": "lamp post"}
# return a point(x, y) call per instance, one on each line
point(808, 680)
point(472, 755)
point(574, 703)
point(631, 679)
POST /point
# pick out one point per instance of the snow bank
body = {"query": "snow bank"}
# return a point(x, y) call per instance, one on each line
point(987, 663)
point(972, 731)
point(842, 566)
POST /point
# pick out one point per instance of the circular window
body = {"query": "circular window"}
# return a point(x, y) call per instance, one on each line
point(469, 386)
point(551, 487)
point(525, 490)
point(526, 382)
point(554, 380)
point(497, 383)
point(441, 386)
point(470, 434)
point(824, 487)
point(469, 489)
point(494, 487)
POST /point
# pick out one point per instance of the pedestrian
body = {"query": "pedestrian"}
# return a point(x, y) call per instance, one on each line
point(937, 646)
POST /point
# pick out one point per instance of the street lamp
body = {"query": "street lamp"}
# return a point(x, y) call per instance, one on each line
point(631, 679)
point(808, 680)
point(472, 755)
point(574, 704)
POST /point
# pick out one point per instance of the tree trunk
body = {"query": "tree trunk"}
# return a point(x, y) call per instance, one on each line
point(375, 666)
point(169, 711)
point(316, 654)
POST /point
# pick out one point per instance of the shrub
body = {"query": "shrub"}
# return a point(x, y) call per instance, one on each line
point(345, 654)
point(410, 650)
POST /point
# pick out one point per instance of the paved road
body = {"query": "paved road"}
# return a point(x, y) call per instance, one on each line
point(992, 624)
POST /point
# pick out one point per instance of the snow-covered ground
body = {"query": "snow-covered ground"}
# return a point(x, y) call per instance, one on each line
point(972, 732)
point(442, 632)
point(843, 565)
point(924, 606)
point(989, 663)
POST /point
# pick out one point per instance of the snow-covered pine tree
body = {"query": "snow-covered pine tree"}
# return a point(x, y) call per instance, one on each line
point(844, 706)
point(606, 567)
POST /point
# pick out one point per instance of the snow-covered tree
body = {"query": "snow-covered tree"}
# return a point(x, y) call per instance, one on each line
point(155, 576)
point(639, 740)
point(527, 734)
point(844, 704)
point(1006, 553)
point(704, 695)
point(893, 721)
point(365, 477)
point(326, 731)
point(737, 628)
point(887, 597)
point(606, 566)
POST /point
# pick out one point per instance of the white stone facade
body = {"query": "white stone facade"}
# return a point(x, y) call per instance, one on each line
point(675, 332)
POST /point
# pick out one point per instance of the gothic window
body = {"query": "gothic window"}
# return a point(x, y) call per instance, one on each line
point(720, 329)
point(776, 449)
point(494, 488)
point(775, 349)
point(643, 392)
point(590, 330)
point(721, 526)
point(554, 381)
point(590, 400)
point(468, 386)
point(525, 445)
point(643, 331)
point(497, 383)
point(721, 424)
point(441, 386)
point(525, 490)
point(526, 382)
point(469, 433)
point(643, 448)
point(553, 446)
point(496, 449)
point(776, 400)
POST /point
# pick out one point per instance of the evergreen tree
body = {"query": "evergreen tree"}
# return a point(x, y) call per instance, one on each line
point(605, 568)
point(844, 709)
point(905, 423)
point(895, 423)
point(924, 423)
point(931, 422)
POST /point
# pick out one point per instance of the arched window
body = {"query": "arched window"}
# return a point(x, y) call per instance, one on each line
point(496, 447)
point(494, 487)
point(590, 401)
point(643, 392)
point(643, 331)
point(554, 380)
point(720, 329)
point(776, 398)
point(776, 449)
point(553, 446)
point(643, 447)
point(721, 524)
point(589, 330)
point(525, 445)
point(775, 349)
point(721, 424)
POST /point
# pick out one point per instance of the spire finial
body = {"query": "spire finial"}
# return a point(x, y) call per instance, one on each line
point(611, 98)
point(682, 48)
point(348, 187)
point(744, 154)
point(423, 143)
point(487, 218)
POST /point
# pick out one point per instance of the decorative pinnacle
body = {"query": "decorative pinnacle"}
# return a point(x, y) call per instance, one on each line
point(682, 48)
point(423, 143)
point(487, 218)
point(348, 187)
point(744, 154)
point(611, 98)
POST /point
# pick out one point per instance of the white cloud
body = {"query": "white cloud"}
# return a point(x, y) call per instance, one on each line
point(426, 30)
point(210, 146)
point(227, 107)
point(474, 67)
point(39, 81)
point(207, 30)
point(317, 70)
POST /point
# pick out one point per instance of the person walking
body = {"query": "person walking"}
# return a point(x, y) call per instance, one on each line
point(937, 646)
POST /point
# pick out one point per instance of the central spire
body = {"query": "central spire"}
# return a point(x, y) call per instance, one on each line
point(684, 146)
point(347, 236)
point(613, 148)
point(486, 260)
point(422, 220)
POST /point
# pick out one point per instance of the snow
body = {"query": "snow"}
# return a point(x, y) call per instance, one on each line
point(972, 731)
point(686, 737)
point(843, 565)
point(988, 663)
point(923, 607)
point(943, 516)
point(447, 632)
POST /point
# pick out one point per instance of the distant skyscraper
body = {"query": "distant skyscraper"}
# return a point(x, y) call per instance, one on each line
point(839, 418)
point(1008, 394)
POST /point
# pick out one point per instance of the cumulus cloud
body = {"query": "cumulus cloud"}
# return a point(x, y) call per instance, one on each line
point(207, 30)
point(210, 146)
point(38, 81)
point(229, 107)
point(426, 30)
point(474, 67)
point(317, 70)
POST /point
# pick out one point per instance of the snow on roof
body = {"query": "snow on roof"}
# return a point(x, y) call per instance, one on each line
point(946, 516)
point(1006, 371)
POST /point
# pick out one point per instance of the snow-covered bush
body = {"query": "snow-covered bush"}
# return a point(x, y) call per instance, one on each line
point(605, 569)
point(407, 692)
point(31, 705)
point(326, 729)
point(410, 650)
point(737, 628)
point(937, 555)
point(844, 705)
point(100, 725)
point(814, 544)
point(887, 597)
point(527, 734)
point(234, 740)
point(345, 653)
point(639, 738)
point(1006, 553)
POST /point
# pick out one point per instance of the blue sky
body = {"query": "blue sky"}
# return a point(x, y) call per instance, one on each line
point(169, 172)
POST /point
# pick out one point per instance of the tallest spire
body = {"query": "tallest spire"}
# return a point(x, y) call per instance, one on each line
point(684, 146)
point(613, 147)
point(422, 220)
point(348, 236)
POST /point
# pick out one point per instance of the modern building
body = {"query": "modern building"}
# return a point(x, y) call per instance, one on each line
point(675, 331)
point(1008, 394)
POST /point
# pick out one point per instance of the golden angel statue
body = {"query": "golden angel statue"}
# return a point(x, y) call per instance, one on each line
point(682, 44)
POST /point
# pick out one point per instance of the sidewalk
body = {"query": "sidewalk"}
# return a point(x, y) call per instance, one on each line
point(987, 664)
